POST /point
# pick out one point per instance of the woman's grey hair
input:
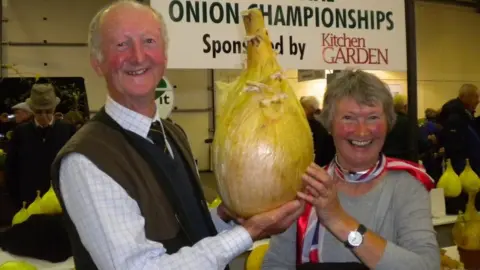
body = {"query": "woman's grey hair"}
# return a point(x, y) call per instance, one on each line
point(94, 33)
point(365, 88)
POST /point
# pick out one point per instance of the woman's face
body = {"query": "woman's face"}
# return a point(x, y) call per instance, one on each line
point(359, 133)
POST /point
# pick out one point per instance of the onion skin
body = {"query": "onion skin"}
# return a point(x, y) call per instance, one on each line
point(263, 142)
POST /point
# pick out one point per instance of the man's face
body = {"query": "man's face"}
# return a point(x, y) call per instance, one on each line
point(472, 101)
point(21, 116)
point(133, 50)
point(43, 117)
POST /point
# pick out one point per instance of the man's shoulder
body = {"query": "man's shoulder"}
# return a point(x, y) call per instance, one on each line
point(96, 142)
point(402, 119)
point(23, 127)
point(93, 135)
point(175, 128)
point(453, 107)
point(453, 103)
point(63, 124)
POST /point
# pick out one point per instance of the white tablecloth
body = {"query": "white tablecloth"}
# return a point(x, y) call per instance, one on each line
point(452, 252)
point(41, 265)
point(445, 220)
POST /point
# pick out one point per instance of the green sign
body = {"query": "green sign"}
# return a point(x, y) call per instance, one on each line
point(164, 98)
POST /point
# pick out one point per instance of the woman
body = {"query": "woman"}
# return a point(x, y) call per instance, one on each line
point(364, 211)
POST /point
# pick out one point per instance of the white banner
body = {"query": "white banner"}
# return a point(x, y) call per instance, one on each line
point(328, 34)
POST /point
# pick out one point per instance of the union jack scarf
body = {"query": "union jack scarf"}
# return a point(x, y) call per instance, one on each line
point(310, 232)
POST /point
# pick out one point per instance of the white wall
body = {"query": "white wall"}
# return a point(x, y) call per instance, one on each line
point(67, 21)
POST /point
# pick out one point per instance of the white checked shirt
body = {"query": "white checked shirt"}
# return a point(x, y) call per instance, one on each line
point(111, 226)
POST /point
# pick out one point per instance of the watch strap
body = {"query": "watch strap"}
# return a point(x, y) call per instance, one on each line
point(361, 230)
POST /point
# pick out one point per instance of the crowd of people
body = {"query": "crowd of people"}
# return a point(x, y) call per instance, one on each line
point(35, 136)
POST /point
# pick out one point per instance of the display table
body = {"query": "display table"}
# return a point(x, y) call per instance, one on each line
point(452, 252)
point(259, 243)
point(445, 220)
point(41, 265)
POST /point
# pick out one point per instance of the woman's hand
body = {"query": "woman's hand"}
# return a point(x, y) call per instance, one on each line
point(321, 192)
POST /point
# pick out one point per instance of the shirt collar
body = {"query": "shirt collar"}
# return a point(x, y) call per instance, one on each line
point(128, 119)
point(49, 124)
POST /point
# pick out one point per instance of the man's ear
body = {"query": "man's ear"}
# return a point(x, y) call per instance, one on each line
point(96, 65)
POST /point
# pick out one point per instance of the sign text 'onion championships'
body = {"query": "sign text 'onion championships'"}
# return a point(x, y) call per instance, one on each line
point(329, 34)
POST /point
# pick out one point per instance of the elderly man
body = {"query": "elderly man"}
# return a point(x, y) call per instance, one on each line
point(22, 112)
point(396, 143)
point(322, 141)
point(34, 145)
point(460, 137)
point(460, 133)
point(128, 181)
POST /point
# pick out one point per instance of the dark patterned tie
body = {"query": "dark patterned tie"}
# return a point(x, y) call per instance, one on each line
point(156, 135)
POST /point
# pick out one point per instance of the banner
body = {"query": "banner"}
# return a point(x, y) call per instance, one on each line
point(307, 34)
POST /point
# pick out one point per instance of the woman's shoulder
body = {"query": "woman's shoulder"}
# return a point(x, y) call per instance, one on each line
point(405, 186)
point(403, 180)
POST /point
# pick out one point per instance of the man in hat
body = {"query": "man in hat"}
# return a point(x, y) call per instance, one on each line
point(34, 145)
point(22, 114)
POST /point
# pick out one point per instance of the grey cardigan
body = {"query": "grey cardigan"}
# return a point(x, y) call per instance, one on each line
point(398, 209)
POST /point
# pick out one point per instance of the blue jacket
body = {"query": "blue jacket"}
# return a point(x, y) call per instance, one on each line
point(460, 136)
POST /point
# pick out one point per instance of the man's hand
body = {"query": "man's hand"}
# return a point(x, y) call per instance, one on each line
point(225, 214)
point(273, 222)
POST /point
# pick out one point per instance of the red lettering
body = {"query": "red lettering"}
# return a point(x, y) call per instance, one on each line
point(342, 55)
point(327, 57)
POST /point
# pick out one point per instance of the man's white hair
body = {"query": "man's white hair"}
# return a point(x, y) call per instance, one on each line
point(467, 89)
point(94, 33)
point(310, 102)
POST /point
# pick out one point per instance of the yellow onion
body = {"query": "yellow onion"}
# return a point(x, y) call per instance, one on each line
point(262, 143)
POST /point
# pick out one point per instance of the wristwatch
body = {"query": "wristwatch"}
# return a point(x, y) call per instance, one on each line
point(355, 238)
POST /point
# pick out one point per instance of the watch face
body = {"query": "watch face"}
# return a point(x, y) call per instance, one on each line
point(355, 239)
